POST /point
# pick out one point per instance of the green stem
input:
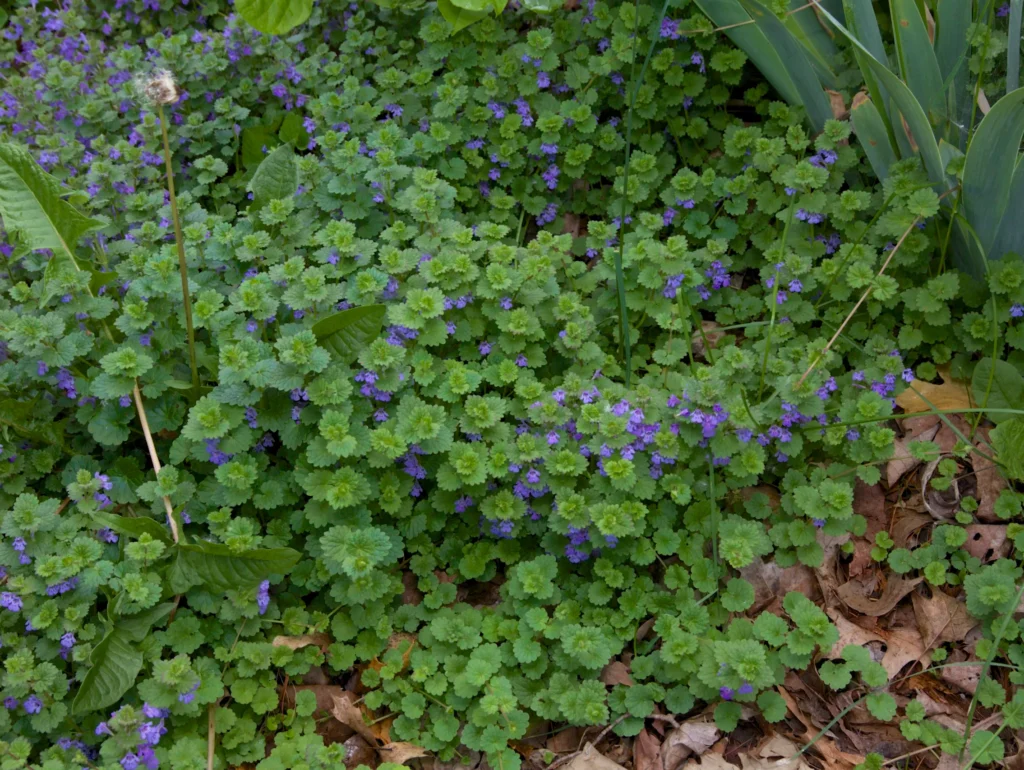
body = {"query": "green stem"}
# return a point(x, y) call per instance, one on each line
point(182, 265)
point(775, 301)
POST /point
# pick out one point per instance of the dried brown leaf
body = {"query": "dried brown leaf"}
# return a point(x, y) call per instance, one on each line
point(941, 618)
point(321, 640)
point(902, 461)
point(345, 710)
point(987, 541)
point(359, 752)
point(646, 751)
point(852, 594)
point(694, 736)
point(948, 394)
point(710, 761)
point(989, 480)
point(592, 759)
point(616, 672)
point(400, 753)
point(838, 104)
point(779, 753)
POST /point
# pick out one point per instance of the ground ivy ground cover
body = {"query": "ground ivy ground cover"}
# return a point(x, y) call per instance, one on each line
point(457, 511)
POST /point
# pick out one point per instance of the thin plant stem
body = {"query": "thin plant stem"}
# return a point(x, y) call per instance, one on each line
point(153, 457)
point(856, 307)
point(211, 736)
point(775, 301)
point(182, 264)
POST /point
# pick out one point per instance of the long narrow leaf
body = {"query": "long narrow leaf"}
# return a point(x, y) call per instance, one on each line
point(990, 166)
point(907, 104)
point(812, 96)
point(1010, 236)
point(817, 41)
point(752, 41)
point(31, 204)
point(1013, 41)
point(870, 130)
point(918, 64)
point(861, 21)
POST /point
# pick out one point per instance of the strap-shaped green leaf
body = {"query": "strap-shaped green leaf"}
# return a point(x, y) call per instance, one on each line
point(917, 61)
point(753, 42)
point(274, 17)
point(818, 42)
point(807, 84)
point(905, 101)
point(870, 130)
point(990, 167)
point(1010, 235)
point(31, 204)
point(861, 22)
point(346, 333)
point(133, 526)
point(277, 176)
point(1013, 38)
point(217, 567)
point(115, 665)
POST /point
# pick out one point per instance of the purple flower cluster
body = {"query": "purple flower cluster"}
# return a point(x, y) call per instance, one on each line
point(63, 587)
point(215, 454)
point(263, 596)
point(672, 285)
point(105, 485)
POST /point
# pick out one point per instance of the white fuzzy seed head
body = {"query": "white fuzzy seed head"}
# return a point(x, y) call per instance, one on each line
point(160, 88)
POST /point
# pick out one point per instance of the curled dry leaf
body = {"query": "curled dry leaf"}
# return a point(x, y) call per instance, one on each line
point(615, 673)
point(940, 503)
point(400, 753)
point(694, 736)
point(852, 594)
point(358, 752)
point(592, 759)
point(902, 461)
point(345, 710)
point(941, 618)
point(646, 751)
point(838, 104)
point(949, 394)
point(321, 640)
point(779, 753)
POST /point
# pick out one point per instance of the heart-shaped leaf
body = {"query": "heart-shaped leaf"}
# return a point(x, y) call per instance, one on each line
point(276, 177)
point(274, 17)
point(115, 665)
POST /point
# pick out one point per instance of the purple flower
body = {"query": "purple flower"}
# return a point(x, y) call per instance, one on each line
point(18, 544)
point(42, 369)
point(188, 697)
point(151, 732)
point(32, 704)
point(670, 29)
point(1017, 311)
point(68, 641)
point(745, 689)
point(485, 348)
point(152, 712)
point(11, 703)
point(727, 693)
point(130, 761)
point(262, 599)
point(543, 80)
point(698, 59)
point(10, 602)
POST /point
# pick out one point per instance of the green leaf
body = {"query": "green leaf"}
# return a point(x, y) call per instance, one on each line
point(459, 18)
point(1013, 34)
point(31, 204)
point(1008, 439)
point(1004, 385)
point(217, 567)
point(990, 169)
point(1010, 236)
point(905, 101)
point(136, 627)
point(986, 748)
point(254, 139)
point(293, 131)
point(818, 43)
point(812, 97)
point(870, 129)
point(133, 527)
point(345, 334)
point(274, 17)
point(276, 177)
point(115, 665)
point(917, 61)
point(753, 42)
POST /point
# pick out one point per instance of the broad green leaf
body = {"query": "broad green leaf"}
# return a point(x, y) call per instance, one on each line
point(133, 526)
point(459, 18)
point(293, 131)
point(863, 24)
point(818, 42)
point(870, 130)
point(1008, 440)
point(254, 139)
point(917, 62)
point(274, 17)
point(217, 567)
point(31, 204)
point(948, 152)
point(346, 333)
point(986, 748)
point(1013, 33)
point(951, 51)
point(904, 99)
point(990, 166)
point(1004, 385)
point(753, 42)
point(115, 665)
point(1010, 236)
point(276, 177)
point(473, 5)
point(137, 627)
point(812, 96)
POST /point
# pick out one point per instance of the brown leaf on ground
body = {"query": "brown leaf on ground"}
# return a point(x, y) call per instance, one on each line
point(565, 740)
point(695, 736)
point(592, 759)
point(990, 481)
point(869, 502)
point(838, 104)
point(902, 461)
point(616, 672)
point(345, 710)
point(849, 633)
point(835, 758)
point(710, 761)
point(942, 504)
point(712, 334)
point(853, 595)
point(964, 677)
point(321, 640)
point(949, 394)
point(987, 541)
point(778, 753)
point(400, 753)
point(411, 594)
point(330, 730)
point(941, 618)
point(573, 223)
point(902, 645)
point(359, 752)
point(772, 582)
point(646, 751)
point(906, 524)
